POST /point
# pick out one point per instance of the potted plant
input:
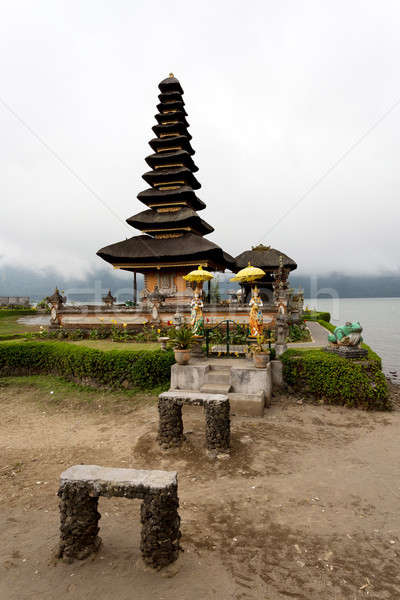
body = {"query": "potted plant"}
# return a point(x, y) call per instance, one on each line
point(181, 340)
point(260, 355)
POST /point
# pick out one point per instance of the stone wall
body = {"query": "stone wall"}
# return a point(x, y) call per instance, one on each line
point(14, 301)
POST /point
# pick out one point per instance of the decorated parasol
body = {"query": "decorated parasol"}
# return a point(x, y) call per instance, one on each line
point(198, 275)
point(248, 274)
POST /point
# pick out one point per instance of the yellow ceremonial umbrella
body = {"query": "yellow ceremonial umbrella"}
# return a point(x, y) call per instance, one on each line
point(248, 274)
point(198, 275)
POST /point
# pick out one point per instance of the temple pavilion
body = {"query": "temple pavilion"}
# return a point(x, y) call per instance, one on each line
point(172, 241)
point(269, 260)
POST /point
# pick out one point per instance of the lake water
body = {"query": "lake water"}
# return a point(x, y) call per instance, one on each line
point(380, 319)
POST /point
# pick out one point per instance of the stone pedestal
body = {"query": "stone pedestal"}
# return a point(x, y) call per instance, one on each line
point(347, 351)
point(197, 348)
point(280, 349)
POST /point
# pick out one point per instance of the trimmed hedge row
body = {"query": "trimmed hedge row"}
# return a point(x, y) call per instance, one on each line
point(338, 380)
point(16, 312)
point(133, 368)
point(314, 315)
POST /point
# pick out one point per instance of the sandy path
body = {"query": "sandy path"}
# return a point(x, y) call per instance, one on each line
point(306, 507)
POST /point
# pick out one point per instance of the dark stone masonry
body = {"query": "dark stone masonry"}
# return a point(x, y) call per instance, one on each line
point(82, 485)
point(217, 415)
point(347, 351)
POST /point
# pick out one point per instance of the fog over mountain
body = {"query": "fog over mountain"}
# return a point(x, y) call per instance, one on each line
point(37, 284)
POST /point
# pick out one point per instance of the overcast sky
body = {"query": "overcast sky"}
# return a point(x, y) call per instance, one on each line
point(294, 110)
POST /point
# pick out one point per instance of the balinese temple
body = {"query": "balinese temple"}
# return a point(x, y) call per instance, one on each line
point(269, 260)
point(172, 241)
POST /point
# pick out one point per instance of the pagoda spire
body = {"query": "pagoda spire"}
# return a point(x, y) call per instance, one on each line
point(172, 238)
point(171, 197)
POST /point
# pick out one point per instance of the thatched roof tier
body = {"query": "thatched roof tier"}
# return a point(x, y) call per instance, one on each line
point(167, 159)
point(183, 196)
point(172, 105)
point(143, 252)
point(171, 177)
point(265, 258)
point(171, 130)
point(184, 218)
point(167, 144)
point(170, 97)
point(170, 84)
point(174, 116)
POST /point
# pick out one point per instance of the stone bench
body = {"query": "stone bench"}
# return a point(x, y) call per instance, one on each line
point(217, 414)
point(80, 488)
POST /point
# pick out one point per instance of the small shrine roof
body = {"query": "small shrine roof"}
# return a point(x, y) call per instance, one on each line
point(264, 257)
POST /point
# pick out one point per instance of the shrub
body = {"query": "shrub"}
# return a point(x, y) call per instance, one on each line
point(16, 312)
point(315, 315)
point(298, 333)
point(144, 369)
point(336, 379)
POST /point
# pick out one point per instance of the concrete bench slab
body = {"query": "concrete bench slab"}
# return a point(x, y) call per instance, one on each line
point(79, 492)
point(217, 414)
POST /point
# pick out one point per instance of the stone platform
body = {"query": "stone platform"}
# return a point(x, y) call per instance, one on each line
point(249, 389)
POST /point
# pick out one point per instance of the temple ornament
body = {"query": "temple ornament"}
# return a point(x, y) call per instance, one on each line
point(199, 275)
point(256, 315)
point(347, 335)
point(196, 315)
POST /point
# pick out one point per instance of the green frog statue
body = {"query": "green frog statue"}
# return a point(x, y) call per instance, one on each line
point(347, 335)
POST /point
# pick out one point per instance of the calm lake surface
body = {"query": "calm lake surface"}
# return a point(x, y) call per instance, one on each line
point(380, 319)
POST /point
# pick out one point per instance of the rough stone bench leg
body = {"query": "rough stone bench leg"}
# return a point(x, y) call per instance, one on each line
point(218, 425)
point(170, 428)
point(79, 522)
point(160, 528)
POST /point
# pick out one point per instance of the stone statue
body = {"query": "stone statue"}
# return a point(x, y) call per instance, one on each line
point(196, 316)
point(156, 299)
point(56, 302)
point(109, 299)
point(347, 335)
point(281, 331)
point(256, 316)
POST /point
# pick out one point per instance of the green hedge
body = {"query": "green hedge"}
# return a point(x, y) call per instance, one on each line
point(139, 368)
point(337, 380)
point(314, 315)
point(16, 312)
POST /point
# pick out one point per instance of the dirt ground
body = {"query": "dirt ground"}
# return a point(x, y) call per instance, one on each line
point(306, 507)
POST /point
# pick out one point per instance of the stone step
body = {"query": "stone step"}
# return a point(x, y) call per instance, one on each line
point(220, 367)
point(219, 377)
point(215, 388)
point(247, 405)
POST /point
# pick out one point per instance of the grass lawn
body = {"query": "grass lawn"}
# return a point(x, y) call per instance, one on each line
point(10, 326)
point(108, 344)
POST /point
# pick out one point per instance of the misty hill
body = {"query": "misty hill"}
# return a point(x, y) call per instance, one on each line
point(37, 284)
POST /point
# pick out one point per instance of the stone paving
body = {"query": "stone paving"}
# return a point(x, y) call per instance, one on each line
point(319, 336)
